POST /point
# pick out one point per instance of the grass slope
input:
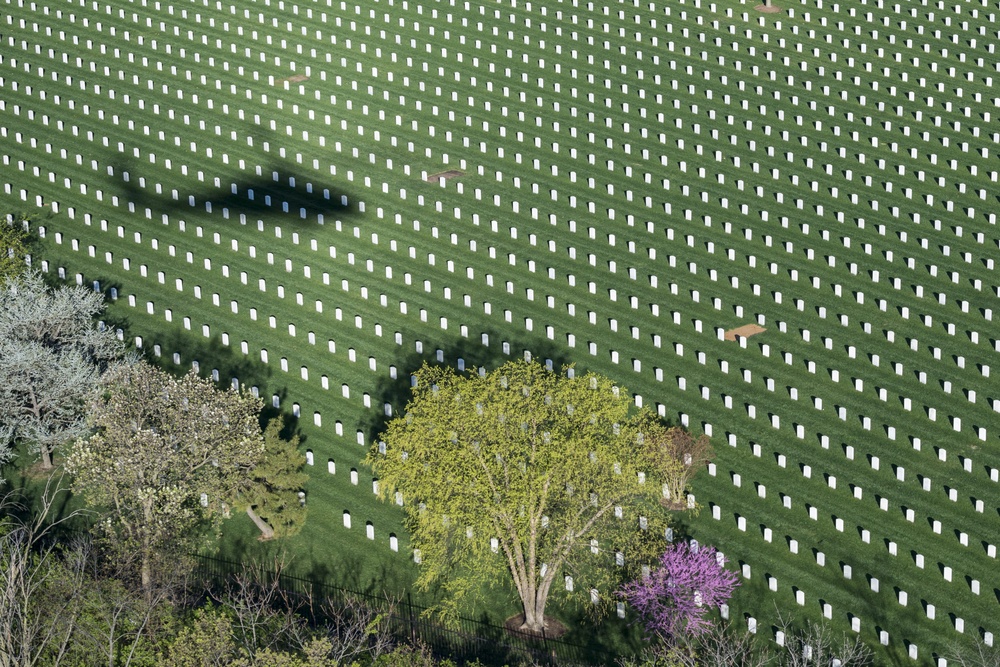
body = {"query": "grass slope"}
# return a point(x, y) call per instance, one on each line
point(638, 178)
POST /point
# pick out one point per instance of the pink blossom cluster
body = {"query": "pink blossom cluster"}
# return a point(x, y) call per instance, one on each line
point(674, 599)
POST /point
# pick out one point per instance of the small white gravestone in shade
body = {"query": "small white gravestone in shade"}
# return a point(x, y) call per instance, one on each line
point(399, 498)
point(752, 625)
point(369, 530)
point(354, 476)
point(347, 519)
point(204, 500)
point(331, 467)
point(620, 608)
point(569, 582)
point(393, 542)
point(416, 556)
point(302, 498)
point(309, 457)
point(594, 596)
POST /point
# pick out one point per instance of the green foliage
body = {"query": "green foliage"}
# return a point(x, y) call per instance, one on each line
point(15, 244)
point(551, 466)
point(167, 455)
point(271, 492)
point(205, 640)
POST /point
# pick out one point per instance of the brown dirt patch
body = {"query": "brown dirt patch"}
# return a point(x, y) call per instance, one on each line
point(296, 78)
point(767, 9)
point(553, 628)
point(744, 331)
point(444, 175)
point(36, 471)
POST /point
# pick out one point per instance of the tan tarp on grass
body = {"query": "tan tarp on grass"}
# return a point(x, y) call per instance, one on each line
point(444, 175)
point(744, 331)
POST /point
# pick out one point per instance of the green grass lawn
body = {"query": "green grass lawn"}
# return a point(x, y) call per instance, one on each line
point(637, 179)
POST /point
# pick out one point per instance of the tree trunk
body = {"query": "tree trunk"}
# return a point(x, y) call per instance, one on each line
point(266, 532)
point(534, 614)
point(147, 576)
point(46, 457)
point(146, 569)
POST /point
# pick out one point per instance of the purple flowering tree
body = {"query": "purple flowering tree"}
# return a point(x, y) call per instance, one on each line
point(674, 599)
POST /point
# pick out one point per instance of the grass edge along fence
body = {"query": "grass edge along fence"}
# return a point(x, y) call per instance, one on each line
point(471, 640)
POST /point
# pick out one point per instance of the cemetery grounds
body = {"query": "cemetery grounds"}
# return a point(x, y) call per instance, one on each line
point(309, 198)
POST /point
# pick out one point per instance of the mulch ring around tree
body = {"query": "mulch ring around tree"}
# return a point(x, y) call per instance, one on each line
point(445, 175)
point(744, 331)
point(553, 628)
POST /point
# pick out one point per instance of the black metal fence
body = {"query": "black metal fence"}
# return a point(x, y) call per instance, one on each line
point(466, 641)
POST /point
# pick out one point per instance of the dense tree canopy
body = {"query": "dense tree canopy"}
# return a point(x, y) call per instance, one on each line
point(15, 245)
point(52, 356)
point(270, 495)
point(167, 454)
point(525, 475)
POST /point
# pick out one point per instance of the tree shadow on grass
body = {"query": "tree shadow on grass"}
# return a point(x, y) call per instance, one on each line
point(180, 351)
point(488, 350)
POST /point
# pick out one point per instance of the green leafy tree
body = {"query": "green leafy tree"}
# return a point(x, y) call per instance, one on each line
point(52, 356)
point(271, 494)
point(524, 476)
point(15, 244)
point(167, 454)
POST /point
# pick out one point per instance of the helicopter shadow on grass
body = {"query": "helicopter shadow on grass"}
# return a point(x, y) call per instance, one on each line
point(279, 188)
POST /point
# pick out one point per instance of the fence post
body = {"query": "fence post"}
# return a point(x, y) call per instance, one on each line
point(409, 613)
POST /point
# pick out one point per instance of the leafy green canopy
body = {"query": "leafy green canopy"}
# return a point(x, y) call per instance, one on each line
point(15, 245)
point(524, 475)
point(271, 498)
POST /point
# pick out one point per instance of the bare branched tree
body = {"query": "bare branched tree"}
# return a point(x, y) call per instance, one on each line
point(264, 615)
point(356, 628)
point(973, 653)
point(39, 591)
point(817, 644)
point(725, 646)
